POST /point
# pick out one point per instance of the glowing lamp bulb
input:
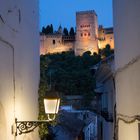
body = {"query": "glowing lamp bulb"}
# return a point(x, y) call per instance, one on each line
point(51, 105)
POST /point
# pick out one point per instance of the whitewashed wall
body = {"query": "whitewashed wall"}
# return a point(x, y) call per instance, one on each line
point(127, 56)
point(19, 65)
point(127, 30)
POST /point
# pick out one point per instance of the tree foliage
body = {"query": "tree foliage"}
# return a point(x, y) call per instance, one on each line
point(65, 31)
point(107, 51)
point(71, 32)
point(71, 74)
point(48, 29)
point(44, 130)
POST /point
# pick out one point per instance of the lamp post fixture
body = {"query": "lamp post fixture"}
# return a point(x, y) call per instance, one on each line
point(51, 105)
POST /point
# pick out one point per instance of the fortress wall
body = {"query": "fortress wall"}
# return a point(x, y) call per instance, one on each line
point(109, 39)
point(54, 44)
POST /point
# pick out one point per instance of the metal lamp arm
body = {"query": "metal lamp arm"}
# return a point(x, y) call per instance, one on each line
point(23, 127)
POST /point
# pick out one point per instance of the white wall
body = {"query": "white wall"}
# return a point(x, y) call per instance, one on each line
point(127, 30)
point(127, 56)
point(19, 65)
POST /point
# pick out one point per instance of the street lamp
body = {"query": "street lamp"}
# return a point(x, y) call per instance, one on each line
point(51, 105)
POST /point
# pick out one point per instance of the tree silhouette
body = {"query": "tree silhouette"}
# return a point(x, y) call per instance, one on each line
point(48, 29)
point(65, 31)
point(71, 32)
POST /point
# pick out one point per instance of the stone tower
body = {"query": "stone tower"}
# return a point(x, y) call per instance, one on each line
point(86, 32)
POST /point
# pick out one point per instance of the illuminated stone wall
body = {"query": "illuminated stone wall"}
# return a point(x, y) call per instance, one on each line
point(127, 61)
point(19, 65)
point(86, 32)
point(54, 44)
point(105, 37)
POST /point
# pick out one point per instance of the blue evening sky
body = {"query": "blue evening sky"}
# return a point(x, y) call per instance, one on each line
point(62, 12)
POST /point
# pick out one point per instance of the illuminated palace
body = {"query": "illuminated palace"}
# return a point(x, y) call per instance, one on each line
point(88, 37)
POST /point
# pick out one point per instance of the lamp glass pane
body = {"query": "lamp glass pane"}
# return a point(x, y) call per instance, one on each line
point(51, 106)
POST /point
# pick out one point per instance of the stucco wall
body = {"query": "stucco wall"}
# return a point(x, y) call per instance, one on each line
point(127, 99)
point(19, 65)
point(127, 56)
point(127, 31)
point(128, 87)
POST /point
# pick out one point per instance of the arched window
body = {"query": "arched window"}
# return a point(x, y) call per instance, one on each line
point(53, 42)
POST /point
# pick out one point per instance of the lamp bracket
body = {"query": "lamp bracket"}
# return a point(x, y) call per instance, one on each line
point(23, 127)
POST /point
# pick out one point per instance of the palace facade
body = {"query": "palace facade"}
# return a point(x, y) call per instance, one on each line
point(88, 36)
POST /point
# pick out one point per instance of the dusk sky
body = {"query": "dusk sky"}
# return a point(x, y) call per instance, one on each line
point(63, 12)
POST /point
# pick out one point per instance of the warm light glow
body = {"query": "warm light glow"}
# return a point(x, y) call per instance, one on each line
point(51, 106)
